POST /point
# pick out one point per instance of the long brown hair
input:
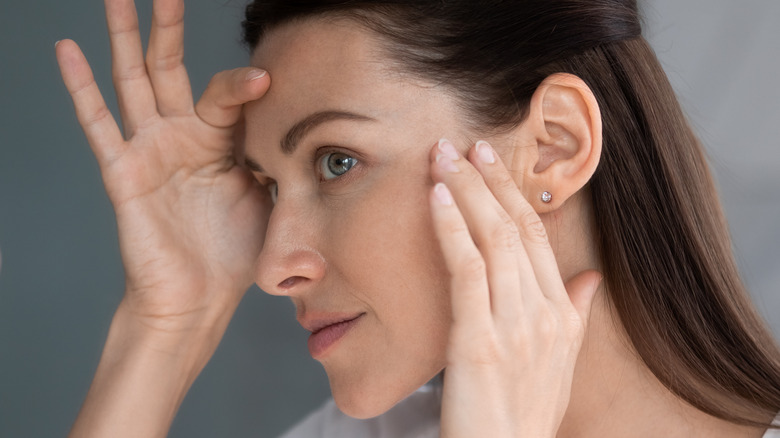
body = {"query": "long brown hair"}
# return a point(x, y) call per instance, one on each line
point(661, 234)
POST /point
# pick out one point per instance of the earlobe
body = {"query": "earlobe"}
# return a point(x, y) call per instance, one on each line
point(564, 130)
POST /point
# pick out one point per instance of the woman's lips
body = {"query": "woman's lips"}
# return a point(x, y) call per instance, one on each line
point(323, 338)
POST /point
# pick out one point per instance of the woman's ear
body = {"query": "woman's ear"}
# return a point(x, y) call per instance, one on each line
point(558, 147)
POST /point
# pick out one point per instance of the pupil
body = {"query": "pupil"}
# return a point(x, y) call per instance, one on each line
point(339, 164)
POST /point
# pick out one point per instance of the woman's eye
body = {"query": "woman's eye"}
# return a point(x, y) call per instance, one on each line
point(335, 164)
point(273, 189)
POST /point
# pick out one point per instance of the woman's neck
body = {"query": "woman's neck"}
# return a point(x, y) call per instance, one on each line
point(615, 395)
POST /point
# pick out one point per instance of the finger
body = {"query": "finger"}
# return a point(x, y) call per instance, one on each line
point(165, 59)
point(220, 105)
point(101, 130)
point(134, 90)
point(510, 275)
point(470, 298)
point(532, 230)
point(581, 289)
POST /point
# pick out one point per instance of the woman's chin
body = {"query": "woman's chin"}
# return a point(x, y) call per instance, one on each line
point(362, 399)
point(365, 403)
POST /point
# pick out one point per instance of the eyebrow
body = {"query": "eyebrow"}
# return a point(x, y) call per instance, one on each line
point(302, 128)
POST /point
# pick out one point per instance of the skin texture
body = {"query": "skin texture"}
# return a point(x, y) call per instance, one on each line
point(191, 222)
point(462, 274)
point(320, 248)
point(343, 240)
point(321, 243)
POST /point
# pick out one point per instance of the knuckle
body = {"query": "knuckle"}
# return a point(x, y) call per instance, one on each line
point(506, 235)
point(472, 268)
point(164, 63)
point(533, 228)
point(454, 228)
point(96, 117)
point(477, 347)
point(542, 331)
point(520, 335)
point(82, 88)
point(503, 182)
point(220, 89)
point(222, 80)
point(574, 325)
point(131, 73)
point(487, 353)
point(217, 79)
point(123, 30)
point(548, 327)
point(169, 19)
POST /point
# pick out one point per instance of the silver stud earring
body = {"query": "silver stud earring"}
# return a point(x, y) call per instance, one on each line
point(546, 197)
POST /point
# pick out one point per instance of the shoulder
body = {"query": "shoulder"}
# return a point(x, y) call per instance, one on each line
point(417, 416)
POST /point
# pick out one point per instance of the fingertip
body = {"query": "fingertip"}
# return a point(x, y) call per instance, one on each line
point(256, 83)
point(65, 45)
point(595, 278)
point(220, 105)
point(590, 296)
point(255, 74)
point(68, 52)
point(484, 152)
point(73, 64)
point(582, 289)
point(59, 48)
point(442, 195)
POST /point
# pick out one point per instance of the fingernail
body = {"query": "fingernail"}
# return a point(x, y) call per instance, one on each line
point(443, 194)
point(446, 147)
point(56, 43)
point(446, 155)
point(485, 152)
point(255, 74)
point(446, 164)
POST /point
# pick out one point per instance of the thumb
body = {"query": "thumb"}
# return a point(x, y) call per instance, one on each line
point(221, 103)
point(581, 289)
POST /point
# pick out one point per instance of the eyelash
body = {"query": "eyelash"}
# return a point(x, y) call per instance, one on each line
point(317, 164)
point(324, 162)
point(324, 152)
point(273, 190)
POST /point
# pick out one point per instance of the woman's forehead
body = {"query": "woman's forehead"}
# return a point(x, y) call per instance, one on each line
point(331, 49)
point(326, 65)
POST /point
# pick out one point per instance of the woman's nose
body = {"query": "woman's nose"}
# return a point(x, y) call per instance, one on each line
point(289, 263)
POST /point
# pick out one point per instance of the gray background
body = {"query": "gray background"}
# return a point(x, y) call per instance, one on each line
point(62, 278)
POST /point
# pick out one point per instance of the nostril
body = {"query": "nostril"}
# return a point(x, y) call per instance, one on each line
point(290, 282)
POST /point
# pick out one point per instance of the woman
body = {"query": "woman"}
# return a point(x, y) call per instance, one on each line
point(409, 255)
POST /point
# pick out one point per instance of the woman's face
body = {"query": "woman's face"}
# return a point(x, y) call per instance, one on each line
point(351, 232)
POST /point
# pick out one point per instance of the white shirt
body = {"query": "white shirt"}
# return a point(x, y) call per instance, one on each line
point(774, 433)
point(417, 416)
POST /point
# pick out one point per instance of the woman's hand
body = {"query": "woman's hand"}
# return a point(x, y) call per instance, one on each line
point(191, 220)
point(517, 330)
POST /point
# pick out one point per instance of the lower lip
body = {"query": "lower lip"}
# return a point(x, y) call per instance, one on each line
point(320, 342)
